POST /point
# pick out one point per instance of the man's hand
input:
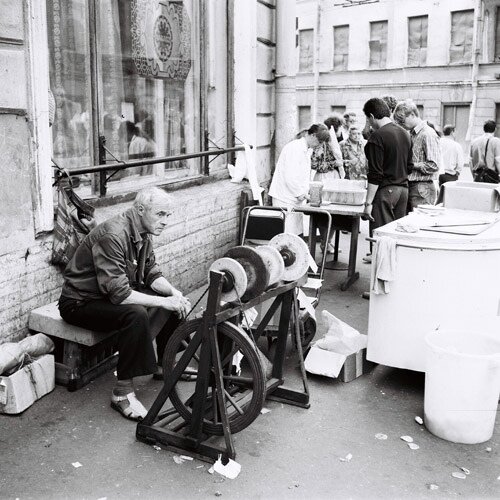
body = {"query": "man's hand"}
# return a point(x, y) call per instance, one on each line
point(367, 212)
point(303, 197)
point(179, 304)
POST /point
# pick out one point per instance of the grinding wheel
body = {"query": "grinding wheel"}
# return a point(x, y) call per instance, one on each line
point(235, 278)
point(295, 254)
point(274, 263)
point(255, 269)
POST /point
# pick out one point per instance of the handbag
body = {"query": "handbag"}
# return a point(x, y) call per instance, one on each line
point(485, 174)
point(74, 220)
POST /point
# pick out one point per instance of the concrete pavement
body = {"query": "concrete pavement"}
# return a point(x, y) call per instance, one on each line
point(286, 453)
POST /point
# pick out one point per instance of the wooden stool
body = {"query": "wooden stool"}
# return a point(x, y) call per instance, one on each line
point(80, 355)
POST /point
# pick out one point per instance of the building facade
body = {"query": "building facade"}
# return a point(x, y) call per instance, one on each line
point(445, 55)
point(87, 82)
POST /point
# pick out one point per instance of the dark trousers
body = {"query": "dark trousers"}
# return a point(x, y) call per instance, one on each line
point(137, 327)
point(389, 204)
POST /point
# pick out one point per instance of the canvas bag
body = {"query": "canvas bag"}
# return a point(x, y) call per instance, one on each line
point(74, 220)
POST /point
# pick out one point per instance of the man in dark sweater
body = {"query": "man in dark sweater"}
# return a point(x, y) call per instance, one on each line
point(389, 156)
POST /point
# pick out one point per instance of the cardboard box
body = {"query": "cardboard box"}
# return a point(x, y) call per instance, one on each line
point(331, 364)
point(24, 387)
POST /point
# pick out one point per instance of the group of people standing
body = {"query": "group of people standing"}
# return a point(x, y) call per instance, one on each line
point(399, 154)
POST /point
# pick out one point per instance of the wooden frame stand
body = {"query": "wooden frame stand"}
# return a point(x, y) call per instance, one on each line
point(169, 428)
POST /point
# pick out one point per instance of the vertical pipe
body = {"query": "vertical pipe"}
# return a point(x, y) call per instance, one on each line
point(286, 68)
point(230, 78)
point(316, 64)
point(476, 53)
point(97, 184)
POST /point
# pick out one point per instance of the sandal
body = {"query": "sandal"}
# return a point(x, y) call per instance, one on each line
point(129, 406)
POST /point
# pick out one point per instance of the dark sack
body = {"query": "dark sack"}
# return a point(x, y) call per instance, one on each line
point(74, 220)
point(485, 174)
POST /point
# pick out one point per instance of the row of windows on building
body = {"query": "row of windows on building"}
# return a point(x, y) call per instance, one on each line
point(462, 30)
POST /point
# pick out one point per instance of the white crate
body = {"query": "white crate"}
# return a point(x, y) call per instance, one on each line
point(344, 192)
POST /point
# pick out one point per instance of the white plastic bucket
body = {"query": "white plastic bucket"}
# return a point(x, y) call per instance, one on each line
point(462, 384)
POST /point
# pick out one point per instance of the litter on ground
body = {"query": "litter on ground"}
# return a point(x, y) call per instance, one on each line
point(347, 458)
point(408, 439)
point(381, 436)
point(458, 475)
point(230, 470)
point(76, 465)
point(419, 420)
point(433, 486)
point(467, 471)
point(264, 411)
point(413, 446)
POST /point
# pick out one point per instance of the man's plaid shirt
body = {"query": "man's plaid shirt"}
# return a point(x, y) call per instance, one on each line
point(426, 153)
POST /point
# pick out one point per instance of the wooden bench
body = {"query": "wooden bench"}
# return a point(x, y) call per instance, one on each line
point(80, 355)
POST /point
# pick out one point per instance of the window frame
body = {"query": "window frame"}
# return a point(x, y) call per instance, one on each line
point(419, 63)
point(346, 55)
point(308, 69)
point(371, 40)
point(97, 152)
point(462, 61)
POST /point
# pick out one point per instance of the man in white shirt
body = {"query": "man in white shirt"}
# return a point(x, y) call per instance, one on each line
point(290, 184)
point(452, 155)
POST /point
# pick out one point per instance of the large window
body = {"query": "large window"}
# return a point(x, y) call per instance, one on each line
point(462, 33)
point(378, 44)
point(142, 94)
point(306, 50)
point(417, 40)
point(340, 48)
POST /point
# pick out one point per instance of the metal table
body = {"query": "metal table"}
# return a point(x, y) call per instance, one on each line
point(344, 218)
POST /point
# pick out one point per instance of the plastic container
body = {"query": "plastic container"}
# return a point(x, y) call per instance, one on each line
point(462, 383)
point(344, 192)
point(315, 193)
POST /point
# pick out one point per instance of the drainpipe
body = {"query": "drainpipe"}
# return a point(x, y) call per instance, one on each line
point(476, 46)
point(286, 68)
point(317, 44)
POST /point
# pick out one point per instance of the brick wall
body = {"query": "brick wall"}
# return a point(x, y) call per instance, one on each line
point(202, 228)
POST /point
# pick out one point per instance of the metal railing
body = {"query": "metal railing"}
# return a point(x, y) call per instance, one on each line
point(103, 168)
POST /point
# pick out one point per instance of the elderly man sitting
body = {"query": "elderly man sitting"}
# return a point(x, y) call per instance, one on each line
point(113, 283)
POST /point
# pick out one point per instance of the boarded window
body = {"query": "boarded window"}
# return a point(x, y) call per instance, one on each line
point(497, 36)
point(306, 50)
point(340, 48)
point(304, 114)
point(462, 31)
point(417, 40)
point(378, 44)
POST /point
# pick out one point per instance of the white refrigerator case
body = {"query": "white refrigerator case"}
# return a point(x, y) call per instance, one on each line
point(439, 276)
